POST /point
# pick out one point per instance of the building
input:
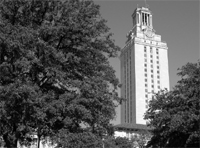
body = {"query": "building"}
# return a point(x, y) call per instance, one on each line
point(43, 143)
point(144, 68)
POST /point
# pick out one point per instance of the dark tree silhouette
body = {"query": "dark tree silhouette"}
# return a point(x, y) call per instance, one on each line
point(55, 77)
point(174, 115)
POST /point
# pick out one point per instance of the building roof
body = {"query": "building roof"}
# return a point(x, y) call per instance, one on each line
point(127, 126)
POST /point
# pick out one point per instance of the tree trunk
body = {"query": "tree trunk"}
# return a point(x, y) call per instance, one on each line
point(38, 142)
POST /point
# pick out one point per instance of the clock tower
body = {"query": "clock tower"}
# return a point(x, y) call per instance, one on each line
point(142, 22)
point(144, 68)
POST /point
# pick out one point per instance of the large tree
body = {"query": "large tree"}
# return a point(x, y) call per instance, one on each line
point(174, 116)
point(55, 77)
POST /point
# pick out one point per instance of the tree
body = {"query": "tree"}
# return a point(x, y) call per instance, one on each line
point(123, 142)
point(55, 77)
point(80, 140)
point(174, 115)
point(109, 142)
point(141, 138)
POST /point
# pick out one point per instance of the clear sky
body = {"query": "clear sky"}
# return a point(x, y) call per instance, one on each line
point(177, 21)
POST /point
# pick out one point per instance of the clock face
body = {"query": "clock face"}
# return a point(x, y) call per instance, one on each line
point(149, 33)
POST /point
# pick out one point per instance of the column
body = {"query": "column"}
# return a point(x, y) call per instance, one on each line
point(138, 18)
point(151, 23)
point(145, 19)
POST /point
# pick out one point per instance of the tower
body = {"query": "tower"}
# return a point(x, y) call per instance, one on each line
point(144, 67)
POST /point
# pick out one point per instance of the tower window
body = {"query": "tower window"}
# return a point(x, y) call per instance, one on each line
point(151, 66)
point(145, 75)
point(145, 70)
point(145, 85)
point(158, 72)
point(151, 51)
point(145, 65)
point(145, 80)
point(145, 55)
point(157, 62)
point(142, 18)
point(158, 77)
point(151, 61)
point(151, 76)
point(152, 71)
point(151, 56)
point(146, 19)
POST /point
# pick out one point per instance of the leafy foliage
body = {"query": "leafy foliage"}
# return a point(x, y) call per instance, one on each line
point(122, 142)
point(174, 115)
point(141, 138)
point(55, 76)
point(80, 140)
point(109, 142)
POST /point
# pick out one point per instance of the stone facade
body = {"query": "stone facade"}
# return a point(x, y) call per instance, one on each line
point(144, 67)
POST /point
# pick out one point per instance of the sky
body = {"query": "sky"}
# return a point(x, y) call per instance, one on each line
point(177, 21)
